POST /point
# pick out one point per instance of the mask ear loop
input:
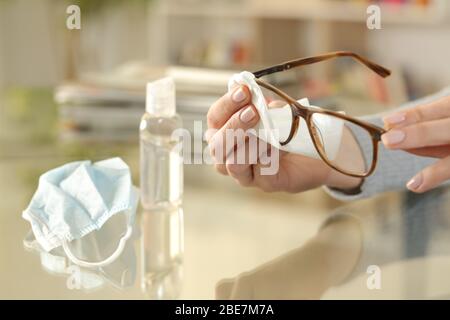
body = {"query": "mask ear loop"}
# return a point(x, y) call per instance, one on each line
point(120, 246)
point(109, 260)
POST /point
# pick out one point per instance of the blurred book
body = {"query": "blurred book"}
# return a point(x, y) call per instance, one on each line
point(108, 107)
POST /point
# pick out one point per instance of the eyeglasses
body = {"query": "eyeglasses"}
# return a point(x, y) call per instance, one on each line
point(366, 132)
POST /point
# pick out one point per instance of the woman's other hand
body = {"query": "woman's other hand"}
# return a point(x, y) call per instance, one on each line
point(425, 131)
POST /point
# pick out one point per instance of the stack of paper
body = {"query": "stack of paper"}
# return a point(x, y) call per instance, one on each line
point(108, 107)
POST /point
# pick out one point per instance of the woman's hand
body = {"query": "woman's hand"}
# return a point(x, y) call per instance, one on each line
point(424, 131)
point(295, 172)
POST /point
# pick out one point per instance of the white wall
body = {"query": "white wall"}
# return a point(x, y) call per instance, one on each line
point(2, 71)
point(27, 54)
point(33, 47)
point(423, 51)
point(114, 36)
point(34, 43)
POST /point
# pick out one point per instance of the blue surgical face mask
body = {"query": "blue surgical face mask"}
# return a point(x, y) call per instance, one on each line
point(78, 198)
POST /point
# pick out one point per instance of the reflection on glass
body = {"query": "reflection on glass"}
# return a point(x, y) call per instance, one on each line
point(162, 252)
point(77, 278)
point(393, 248)
point(95, 246)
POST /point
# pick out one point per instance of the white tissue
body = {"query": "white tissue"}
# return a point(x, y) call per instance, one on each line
point(331, 130)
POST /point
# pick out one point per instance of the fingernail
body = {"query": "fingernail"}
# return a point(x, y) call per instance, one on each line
point(239, 95)
point(395, 118)
point(415, 182)
point(393, 137)
point(247, 115)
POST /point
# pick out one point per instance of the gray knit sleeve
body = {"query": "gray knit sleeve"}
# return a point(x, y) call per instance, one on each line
point(394, 167)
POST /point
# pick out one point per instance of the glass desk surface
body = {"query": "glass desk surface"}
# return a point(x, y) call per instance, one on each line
point(238, 243)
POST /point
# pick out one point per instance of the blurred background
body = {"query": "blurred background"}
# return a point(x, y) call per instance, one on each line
point(72, 89)
point(79, 94)
point(123, 44)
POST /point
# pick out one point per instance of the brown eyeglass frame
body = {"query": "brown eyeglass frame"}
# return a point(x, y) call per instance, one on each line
point(306, 113)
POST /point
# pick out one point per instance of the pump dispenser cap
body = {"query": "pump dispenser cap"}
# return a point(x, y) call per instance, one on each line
point(161, 97)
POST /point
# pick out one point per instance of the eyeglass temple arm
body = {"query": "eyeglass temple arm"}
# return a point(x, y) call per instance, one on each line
point(383, 72)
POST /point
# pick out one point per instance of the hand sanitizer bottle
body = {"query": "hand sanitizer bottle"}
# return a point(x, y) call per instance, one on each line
point(162, 250)
point(161, 176)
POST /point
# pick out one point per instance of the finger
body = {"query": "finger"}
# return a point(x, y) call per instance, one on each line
point(422, 134)
point(269, 180)
point(427, 112)
point(431, 176)
point(221, 168)
point(239, 163)
point(226, 106)
point(234, 132)
point(434, 152)
point(267, 183)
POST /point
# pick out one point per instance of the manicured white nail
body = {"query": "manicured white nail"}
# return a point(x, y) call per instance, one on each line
point(415, 182)
point(395, 118)
point(247, 115)
point(239, 95)
point(393, 137)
